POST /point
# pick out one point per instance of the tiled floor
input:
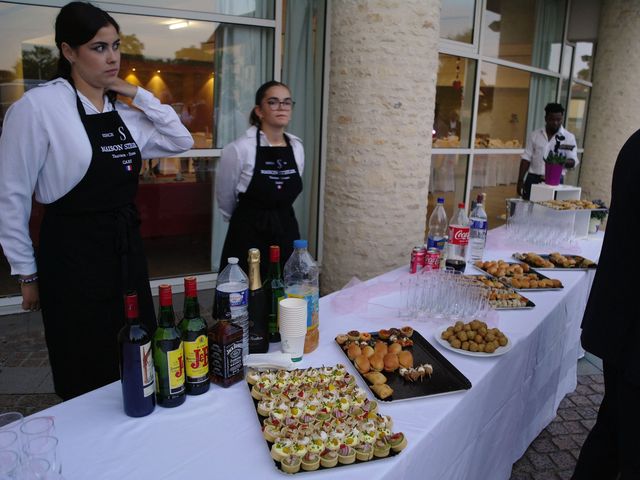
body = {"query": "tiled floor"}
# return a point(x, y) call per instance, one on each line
point(26, 386)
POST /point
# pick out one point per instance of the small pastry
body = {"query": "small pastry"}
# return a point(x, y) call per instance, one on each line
point(362, 363)
point(256, 393)
point(264, 407)
point(381, 348)
point(311, 461)
point(353, 351)
point(290, 464)
point(375, 378)
point(342, 339)
point(407, 331)
point(365, 336)
point(394, 348)
point(397, 441)
point(329, 458)
point(377, 362)
point(281, 449)
point(391, 363)
point(382, 391)
point(405, 358)
point(368, 351)
point(253, 376)
point(364, 452)
point(381, 448)
point(270, 433)
point(384, 334)
point(346, 454)
point(354, 335)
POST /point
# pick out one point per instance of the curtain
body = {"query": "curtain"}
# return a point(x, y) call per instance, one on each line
point(302, 71)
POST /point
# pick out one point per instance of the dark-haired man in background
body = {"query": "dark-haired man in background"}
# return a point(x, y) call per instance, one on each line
point(542, 141)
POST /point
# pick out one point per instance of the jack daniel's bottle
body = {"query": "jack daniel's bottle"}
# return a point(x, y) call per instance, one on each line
point(225, 346)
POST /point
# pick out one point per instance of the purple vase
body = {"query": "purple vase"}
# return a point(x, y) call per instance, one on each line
point(552, 173)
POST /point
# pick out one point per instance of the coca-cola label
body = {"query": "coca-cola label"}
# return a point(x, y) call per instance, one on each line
point(458, 235)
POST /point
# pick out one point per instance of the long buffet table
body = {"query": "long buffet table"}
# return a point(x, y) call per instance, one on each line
point(476, 434)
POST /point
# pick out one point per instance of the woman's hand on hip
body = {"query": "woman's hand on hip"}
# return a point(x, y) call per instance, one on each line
point(30, 296)
point(123, 87)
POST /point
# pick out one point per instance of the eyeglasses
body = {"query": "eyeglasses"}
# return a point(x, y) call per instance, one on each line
point(275, 104)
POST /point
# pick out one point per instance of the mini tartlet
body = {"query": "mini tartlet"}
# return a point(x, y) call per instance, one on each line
point(364, 452)
point(397, 441)
point(346, 454)
point(291, 464)
point(329, 458)
point(381, 448)
point(310, 461)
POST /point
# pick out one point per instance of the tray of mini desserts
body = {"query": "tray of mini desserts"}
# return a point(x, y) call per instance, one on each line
point(400, 364)
point(500, 296)
point(319, 418)
point(555, 261)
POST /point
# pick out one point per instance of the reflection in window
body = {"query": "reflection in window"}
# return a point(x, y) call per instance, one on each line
point(454, 101)
point(448, 180)
point(527, 31)
point(457, 19)
point(542, 91)
point(576, 114)
point(583, 61)
point(242, 8)
point(502, 107)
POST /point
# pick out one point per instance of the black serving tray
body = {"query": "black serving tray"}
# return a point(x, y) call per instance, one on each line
point(445, 378)
point(528, 306)
point(593, 266)
point(507, 279)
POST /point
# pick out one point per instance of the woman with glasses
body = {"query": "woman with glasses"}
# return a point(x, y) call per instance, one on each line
point(259, 178)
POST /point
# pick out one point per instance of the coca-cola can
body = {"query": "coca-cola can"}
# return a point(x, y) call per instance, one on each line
point(417, 259)
point(432, 259)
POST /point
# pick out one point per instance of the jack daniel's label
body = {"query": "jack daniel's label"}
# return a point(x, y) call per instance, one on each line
point(226, 360)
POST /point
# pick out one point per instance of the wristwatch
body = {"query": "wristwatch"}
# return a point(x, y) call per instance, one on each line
point(26, 281)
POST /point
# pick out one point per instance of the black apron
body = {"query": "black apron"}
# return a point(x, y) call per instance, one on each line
point(90, 254)
point(264, 215)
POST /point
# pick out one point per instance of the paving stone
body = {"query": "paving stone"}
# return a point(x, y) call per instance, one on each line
point(584, 389)
point(597, 387)
point(520, 476)
point(563, 442)
point(582, 379)
point(523, 466)
point(557, 428)
point(581, 401)
point(540, 461)
point(543, 476)
point(587, 412)
point(563, 459)
point(565, 474)
point(543, 445)
point(596, 398)
point(575, 452)
point(566, 403)
point(570, 414)
point(575, 427)
point(579, 438)
point(597, 378)
point(588, 424)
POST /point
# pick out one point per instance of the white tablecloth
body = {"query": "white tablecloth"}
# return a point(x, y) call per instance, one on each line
point(477, 434)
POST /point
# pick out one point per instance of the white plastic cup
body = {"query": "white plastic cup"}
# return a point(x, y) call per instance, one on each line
point(293, 316)
point(293, 345)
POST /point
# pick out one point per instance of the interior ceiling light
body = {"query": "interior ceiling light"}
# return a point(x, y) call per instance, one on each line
point(177, 25)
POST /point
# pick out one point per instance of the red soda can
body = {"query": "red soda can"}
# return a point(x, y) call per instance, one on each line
point(417, 259)
point(432, 259)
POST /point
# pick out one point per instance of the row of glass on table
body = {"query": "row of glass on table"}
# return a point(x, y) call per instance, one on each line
point(28, 448)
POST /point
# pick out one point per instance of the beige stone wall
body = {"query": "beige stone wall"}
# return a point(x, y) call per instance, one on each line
point(384, 60)
point(614, 112)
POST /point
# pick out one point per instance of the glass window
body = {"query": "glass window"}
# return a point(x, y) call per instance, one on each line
point(457, 20)
point(583, 61)
point(527, 31)
point(454, 101)
point(576, 114)
point(502, 107)
point(495, 175)
point(242, 8)
point(447, 179)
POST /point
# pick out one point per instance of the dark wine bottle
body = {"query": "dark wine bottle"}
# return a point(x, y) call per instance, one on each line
point(193, 329)
point(273, 287)
point(168, 355)
point(136, 363)
point(225, 346)
point(258, 330)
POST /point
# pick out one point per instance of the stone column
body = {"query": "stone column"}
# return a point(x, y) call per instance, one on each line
point(384, 62)
point(614, 110)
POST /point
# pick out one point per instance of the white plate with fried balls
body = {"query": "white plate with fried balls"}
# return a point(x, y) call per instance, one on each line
point(499, 351)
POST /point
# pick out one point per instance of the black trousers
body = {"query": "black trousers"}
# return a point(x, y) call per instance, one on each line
point(612, 449)
point(530, 179)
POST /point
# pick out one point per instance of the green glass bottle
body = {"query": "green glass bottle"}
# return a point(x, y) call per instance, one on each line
point(274, 291)
point(168, 354)
point(193, 329)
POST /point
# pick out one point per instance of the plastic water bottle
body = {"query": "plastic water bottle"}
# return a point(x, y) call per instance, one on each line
point(438, 226)
point(478, 231)
point(234, 284)
point(301, 275)
point(458, 240)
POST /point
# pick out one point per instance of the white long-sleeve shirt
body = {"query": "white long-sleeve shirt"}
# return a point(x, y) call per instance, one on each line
point(538, 147)
point(44, 148)
point(235, 169)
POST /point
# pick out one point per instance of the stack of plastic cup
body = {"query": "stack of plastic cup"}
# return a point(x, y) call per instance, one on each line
point(293, 326)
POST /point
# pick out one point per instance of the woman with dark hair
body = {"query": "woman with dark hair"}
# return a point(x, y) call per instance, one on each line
point(80, 151)
point(259, 178)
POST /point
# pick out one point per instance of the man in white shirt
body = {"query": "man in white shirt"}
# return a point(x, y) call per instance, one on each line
point(540, 143)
